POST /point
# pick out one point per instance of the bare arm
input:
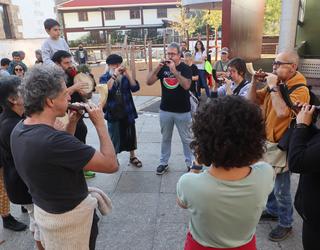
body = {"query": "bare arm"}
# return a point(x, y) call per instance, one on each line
point(279, 105)
point(184, 82)
point(277, 101)
point(152, 76)
point(252, 93)
point(104, 161)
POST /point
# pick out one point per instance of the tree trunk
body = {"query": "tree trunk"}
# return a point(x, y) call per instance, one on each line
point(216, 43)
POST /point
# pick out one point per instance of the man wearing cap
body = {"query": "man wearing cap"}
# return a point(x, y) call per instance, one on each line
point(221, 66)
point(120, 111)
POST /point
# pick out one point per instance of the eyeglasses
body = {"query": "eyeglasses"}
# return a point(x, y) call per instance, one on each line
point(172, 54)
point(18, 69)
point(278, 63)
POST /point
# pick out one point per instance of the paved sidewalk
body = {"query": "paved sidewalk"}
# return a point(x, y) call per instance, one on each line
point(145, 214)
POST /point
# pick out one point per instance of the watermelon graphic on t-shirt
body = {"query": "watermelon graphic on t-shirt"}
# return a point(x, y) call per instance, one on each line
point(170, 82)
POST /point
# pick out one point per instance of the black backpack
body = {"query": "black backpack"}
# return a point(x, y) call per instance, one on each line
point(285, 92)
point(284, 142)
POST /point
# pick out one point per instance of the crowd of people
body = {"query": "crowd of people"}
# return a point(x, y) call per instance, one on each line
point(240, 146)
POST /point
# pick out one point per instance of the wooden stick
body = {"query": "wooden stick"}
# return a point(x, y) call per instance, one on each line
point(132, 60)
point(150, 55)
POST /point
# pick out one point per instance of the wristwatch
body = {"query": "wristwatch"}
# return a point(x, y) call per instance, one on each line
point(301, 125)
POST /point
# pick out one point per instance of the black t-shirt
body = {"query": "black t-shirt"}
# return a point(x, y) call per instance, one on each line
point(195, 72)
point(15, 187)
point(51, 163)
point(174, 97)
point(81, 129)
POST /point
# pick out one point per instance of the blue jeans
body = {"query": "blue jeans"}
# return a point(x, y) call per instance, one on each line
point(183, 124)
point(279, 201)
point(202, 83)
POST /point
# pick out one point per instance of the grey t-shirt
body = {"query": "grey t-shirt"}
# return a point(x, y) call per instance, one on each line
point(224, 214)
point(221, 66)
point(50, 46)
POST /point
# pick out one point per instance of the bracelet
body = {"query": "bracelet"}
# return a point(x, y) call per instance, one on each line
point(301, 125)
point(196, 167)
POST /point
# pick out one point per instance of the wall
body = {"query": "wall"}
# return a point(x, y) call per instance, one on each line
point(242, 27)
point(27, 45)
point(72, 21)
point(150, 15)
point(122, 17)
point(33, 13)
point(310, 30)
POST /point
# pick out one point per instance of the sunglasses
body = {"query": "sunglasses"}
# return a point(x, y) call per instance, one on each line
point(278, 63)
point(172, 54)
point(18, 69)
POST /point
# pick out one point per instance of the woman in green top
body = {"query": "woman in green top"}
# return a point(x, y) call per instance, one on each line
point(226, 201)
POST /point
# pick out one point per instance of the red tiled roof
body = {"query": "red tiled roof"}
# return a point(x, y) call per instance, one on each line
point(106, 3)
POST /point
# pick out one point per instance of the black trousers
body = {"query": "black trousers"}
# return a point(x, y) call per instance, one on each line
point(94, 231)
point(310, 237)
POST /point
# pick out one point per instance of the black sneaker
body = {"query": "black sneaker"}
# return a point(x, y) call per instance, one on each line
point(161, 169)
point(268, 217)
point(280, 233)
point(9, 222)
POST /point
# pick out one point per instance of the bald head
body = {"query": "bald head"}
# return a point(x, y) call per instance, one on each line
point(286, 65)
point(288, 56)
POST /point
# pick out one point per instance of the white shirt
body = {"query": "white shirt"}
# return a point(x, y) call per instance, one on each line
point(198, 56)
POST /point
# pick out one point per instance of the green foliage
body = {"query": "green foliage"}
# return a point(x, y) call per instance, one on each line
point(213, 18)
point(185, 24)
point(272, 17)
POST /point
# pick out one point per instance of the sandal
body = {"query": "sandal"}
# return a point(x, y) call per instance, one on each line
point(136, 162)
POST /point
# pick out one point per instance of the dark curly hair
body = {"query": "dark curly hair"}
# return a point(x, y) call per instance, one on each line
point(228, 132)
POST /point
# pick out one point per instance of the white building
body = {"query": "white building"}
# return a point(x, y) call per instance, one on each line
point(98, 18)
point(21, 26)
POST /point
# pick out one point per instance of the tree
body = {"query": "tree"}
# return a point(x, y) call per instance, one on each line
point(213, 18)
point(272, 17)
point(185, 24)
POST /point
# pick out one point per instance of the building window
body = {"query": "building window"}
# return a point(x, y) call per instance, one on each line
point(83, 16)
point(5, 21)
point(109, 15)
point(134, 14)
point(162, 13)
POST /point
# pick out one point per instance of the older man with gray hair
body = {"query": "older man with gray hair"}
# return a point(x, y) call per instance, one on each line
point(175, 77)
point(283, 84)
point(51, 162)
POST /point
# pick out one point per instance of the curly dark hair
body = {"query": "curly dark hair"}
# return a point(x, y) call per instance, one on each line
point(228, 132)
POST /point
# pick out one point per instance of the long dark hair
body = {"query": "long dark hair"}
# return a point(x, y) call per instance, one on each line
point(202, 46)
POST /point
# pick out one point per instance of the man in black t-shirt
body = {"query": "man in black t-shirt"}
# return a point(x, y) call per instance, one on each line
point(175, 77)
point(51, 162)
point(63, 59)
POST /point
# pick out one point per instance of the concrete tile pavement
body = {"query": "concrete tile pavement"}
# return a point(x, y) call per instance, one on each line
point(145, 214)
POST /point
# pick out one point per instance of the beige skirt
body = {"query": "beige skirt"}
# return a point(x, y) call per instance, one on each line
point(67, 231)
